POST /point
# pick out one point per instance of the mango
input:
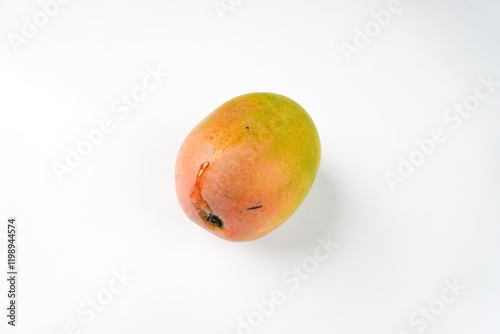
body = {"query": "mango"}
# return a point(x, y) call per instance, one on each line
point(245, 168)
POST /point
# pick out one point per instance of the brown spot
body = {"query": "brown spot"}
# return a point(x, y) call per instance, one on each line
point(255, 207)
point(214, 220)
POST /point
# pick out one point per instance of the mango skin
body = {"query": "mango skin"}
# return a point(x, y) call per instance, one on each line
point(246, 167)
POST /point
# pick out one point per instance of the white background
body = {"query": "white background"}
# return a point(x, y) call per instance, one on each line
point(118, 211)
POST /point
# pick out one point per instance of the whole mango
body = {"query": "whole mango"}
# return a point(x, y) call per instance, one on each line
point(246, 167)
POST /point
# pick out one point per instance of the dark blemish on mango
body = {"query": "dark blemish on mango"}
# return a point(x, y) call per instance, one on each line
point(255, 207)
point(214, 220)
point(247, 127)
point(199, 203)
